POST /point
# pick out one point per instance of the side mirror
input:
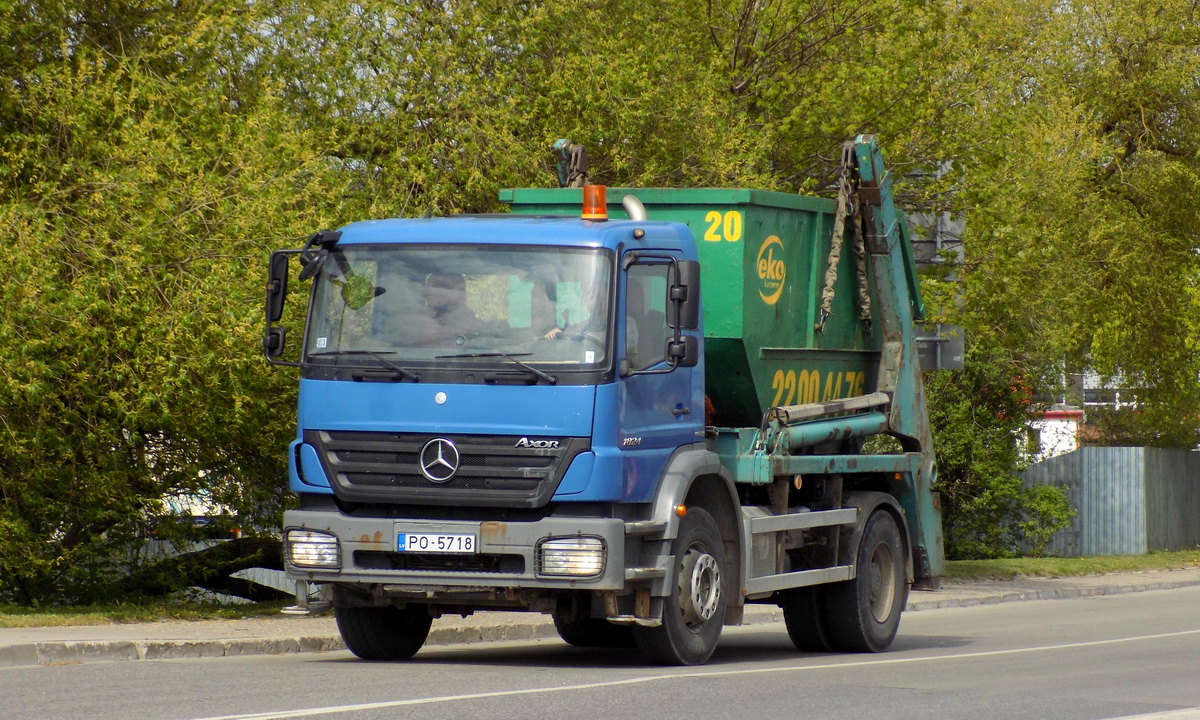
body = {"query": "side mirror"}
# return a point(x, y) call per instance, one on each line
point(274, 341)
point(685, 295)
point(310, 263)
point(277, 280)
point(684, 352)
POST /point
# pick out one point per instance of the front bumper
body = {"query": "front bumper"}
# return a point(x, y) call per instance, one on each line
point(506, 554)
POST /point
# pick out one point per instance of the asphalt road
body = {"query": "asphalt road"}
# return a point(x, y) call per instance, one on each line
point(1134, 655)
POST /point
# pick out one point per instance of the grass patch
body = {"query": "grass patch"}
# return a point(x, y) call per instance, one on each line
point(16, 616)
point(1011, 568)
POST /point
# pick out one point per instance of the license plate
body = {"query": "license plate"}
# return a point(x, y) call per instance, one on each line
point(459, 543)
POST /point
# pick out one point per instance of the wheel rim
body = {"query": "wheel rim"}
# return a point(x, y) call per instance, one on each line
point(699, 587)
point(881, 586)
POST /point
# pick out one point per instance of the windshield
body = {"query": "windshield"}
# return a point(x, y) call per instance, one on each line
point(427, 306)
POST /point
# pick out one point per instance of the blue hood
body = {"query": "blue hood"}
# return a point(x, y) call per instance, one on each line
point(544, 410)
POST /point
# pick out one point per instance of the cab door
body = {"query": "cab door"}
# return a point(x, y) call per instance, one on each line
point(661, 408)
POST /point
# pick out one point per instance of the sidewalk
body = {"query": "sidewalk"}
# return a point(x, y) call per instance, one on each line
point(284, 634)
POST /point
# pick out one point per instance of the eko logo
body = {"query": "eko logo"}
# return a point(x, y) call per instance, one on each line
point(771, 271)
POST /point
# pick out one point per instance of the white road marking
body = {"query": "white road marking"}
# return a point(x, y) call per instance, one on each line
point(1189, 713)
point(338, 709)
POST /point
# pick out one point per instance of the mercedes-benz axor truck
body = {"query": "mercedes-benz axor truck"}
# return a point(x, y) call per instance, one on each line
point(636, 410)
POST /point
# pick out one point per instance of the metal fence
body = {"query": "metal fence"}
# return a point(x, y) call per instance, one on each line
point(1130, 500)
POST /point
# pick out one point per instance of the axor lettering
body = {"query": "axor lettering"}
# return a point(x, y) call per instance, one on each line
point(542, 444)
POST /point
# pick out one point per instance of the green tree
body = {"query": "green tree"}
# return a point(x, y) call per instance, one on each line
point(143, 185)
point(1082, 237)
point(1076, 162)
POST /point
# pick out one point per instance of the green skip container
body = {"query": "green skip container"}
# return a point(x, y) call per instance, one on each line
point(763, 257)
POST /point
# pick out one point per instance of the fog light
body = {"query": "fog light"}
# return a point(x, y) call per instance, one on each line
point(306, 548)
point(571, 557)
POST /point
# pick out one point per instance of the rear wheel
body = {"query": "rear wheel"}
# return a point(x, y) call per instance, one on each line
point(863, 614)
point(694, 613)
point(383, 633)
point(804, 617)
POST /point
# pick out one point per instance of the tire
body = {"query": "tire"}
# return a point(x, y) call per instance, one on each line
point(383, 633)
point(863, 614)
point(594, 633)
point(804, 617)
point(577, 627)
point(694, 613)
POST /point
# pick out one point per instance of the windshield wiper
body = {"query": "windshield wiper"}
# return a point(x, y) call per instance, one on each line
point(376, 355)
point(509, 357)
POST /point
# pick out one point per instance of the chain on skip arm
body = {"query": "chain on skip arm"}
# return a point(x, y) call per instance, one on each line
point(847, 181)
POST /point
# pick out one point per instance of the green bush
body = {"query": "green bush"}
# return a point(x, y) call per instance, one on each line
point(980, 417)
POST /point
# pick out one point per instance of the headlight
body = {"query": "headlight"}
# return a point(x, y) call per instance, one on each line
point(571, 557)
point(308, 548)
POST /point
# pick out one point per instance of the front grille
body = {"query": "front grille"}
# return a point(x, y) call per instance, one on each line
point(492, 469)
point(497, 564)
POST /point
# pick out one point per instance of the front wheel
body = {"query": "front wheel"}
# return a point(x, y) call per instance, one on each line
point(694, 613)
point(863, 614)
point(577, 627)
point(383, 633)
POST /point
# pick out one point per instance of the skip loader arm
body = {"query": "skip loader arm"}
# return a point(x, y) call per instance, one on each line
point(899, 370)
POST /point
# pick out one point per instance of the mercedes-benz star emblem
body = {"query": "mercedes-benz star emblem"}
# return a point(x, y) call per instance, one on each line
point(439, 460)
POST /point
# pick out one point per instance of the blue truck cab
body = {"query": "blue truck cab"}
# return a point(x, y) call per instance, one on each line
point(534, 381)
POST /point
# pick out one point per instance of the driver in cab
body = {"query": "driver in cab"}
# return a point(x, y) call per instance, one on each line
point(593, 323)
point(449, 316)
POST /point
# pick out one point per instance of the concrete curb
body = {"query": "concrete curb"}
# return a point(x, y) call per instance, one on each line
point(63, 652)
point(1045, 593)
point(75, 652)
